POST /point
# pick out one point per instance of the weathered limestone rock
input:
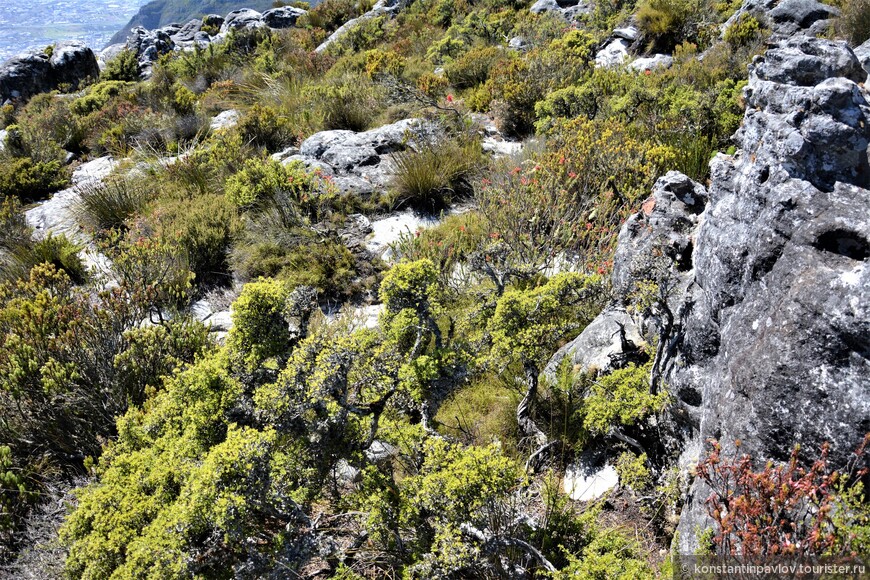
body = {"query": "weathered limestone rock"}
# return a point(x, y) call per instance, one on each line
point(36, 72)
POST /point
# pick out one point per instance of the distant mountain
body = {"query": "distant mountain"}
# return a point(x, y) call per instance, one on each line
point(159, 13)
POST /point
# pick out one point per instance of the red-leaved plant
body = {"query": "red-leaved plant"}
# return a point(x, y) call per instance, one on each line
point(784, 509)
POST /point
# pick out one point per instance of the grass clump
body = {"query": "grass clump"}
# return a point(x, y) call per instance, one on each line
point(430, 177)
point(108, 204)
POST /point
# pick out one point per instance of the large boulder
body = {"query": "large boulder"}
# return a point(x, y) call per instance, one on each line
point(284, 17)
point(360, 162)
point(242, 19)
point(36, 72)
point(763, 324)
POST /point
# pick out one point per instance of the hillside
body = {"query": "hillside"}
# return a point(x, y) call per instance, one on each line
point(158, 13)
point(435, 289)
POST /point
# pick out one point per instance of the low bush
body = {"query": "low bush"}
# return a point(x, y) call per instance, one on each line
point(346, 103)
point(98, 96)
point(481, 413)
point(301, 196)
point(108, 204)
point(325, 264)
point(30, 180)
point(57, 251)
point(854, 21)
point(472, 68)
point(262, 126)
point(429, 177)
point(124, 67)
point(204, 227)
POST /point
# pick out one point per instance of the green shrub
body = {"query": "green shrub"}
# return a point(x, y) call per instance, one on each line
point(205, 228)
point(57, 251)
point(472, 68)
point(621, 398)
point(433, 175)
point(98, 96)
point(481, 413)
point(746, 30)
point(108, 204)
point(667, 23)
point(124, 67)
point(326, 265)
point(854, 21)
point(260, 330)
point(28, 180)
point(264, 127)
point(300, 195)
point(347, 103)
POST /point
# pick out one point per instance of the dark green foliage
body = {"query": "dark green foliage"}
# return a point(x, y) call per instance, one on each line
point(32, 180)
point(204, 227)
point(432, 176)
point(124, 67)
point(110, 203)
point(854, 21)
point(55, 250)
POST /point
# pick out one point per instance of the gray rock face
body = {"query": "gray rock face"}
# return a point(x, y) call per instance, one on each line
point(651, 62)
point(381, 7)
point(244, 18)
point(149, 45)
point(187, 32)
point(359, 162)
point(800, 14)
point(767, 270)
point(613, 54)
point(36, 72)
point(568, 9)
point(787, 17)
point(284, 17)
point(863, 54)
point(604, 345)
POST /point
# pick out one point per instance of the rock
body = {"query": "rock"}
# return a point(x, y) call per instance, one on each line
point(664, 226)
point(149, 46)
point(3, 134)
point(220, 321)
point(284, 17)
point(802, 13)
point(863, 54)
point(389, 7)
point(361, 162)
point(310, 163)
point(613, 54)
point(187, 33)
point(568, 9)
point(35, 72)
point(651, 62)
point(610, 341)
point(225, 120)
point(805, 61)
point(345, 473)
point(285, 153)
point(388, 230)
point(244, 18)
point(380, 451)
point(582, 483)
point(518, 43)
point(501, 148)
point(629, 33)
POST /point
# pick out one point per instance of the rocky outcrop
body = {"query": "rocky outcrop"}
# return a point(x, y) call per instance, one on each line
point(38, 72)
point(787, 17)
point(381, 8)
point(763, 324)
point(149, 45)
point(568, 9)
point(360, 163)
